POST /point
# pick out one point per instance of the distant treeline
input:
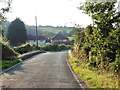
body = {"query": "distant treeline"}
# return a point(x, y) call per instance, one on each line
point(48, 31)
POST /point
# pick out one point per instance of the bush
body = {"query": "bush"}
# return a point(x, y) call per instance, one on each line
point(55, 47)
point(64, 47)
point(7, 52)
point(50, 47)
point(25, 48)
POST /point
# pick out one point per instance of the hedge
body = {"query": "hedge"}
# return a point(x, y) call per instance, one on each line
point(7, 52)
point(55, 47)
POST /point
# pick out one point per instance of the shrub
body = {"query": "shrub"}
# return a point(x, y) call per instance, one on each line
point(7, 52)
point(25, 48)
point(56, 47)
point(64, 47)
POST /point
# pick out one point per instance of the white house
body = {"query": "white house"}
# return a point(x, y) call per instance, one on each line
point(42, 40)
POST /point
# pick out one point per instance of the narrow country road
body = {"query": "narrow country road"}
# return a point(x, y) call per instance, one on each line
point(48, 70)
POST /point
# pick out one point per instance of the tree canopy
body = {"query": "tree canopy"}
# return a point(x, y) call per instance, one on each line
point(100, 41)
point(16, 32)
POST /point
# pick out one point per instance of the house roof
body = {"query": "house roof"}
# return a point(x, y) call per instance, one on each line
point(30, 37)
point(59, 36)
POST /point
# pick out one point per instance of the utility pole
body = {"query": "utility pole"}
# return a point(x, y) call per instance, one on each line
point(36, 31)
point(118, 1)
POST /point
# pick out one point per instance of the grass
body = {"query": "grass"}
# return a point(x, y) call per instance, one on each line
point(7, 64)
point(92, 78)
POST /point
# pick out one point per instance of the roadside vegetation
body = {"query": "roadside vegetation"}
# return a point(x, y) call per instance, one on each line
point(94, 79)
point(8, 53)
point(55, 47)
point(25, 48)
point(9, 63)
point(96, 48)
point(11, 53)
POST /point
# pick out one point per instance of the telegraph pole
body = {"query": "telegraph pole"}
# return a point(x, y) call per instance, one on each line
point(118, 10)
point(36, 31)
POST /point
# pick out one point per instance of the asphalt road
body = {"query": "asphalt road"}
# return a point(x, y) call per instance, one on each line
point(48, 70)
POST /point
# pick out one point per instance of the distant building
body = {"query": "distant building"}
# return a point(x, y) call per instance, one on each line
point(42, 40)
point(60, 39)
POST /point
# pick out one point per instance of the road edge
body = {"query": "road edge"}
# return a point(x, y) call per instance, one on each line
point(26, 58)
point(80, 82)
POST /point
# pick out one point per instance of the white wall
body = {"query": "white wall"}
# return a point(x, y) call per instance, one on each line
point(40, 42)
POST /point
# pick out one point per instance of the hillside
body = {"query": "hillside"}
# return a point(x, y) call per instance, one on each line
point(48, 31)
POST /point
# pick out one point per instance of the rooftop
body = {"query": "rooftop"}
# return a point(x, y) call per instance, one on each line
point(59, 36)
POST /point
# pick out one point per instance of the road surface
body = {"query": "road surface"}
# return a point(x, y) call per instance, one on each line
point(48, 70)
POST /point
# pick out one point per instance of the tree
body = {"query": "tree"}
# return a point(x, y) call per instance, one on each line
point(104, 15)
point(16, 32)
point(100, 42)
point(3, 10)
point(6, 8)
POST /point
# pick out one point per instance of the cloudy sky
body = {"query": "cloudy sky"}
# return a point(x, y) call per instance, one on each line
point(49, 12)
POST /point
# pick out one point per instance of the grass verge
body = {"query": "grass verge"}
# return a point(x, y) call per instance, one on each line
point(92, 78)
point(7, 64)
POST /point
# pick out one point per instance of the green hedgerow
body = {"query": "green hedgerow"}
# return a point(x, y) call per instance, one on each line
point(7, 52)
point(25, 48)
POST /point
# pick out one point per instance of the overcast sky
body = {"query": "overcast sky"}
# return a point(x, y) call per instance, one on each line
point(49, 12)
